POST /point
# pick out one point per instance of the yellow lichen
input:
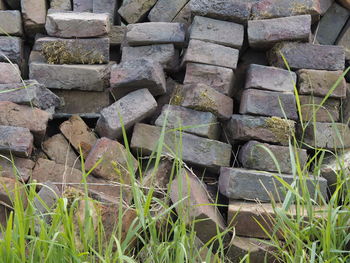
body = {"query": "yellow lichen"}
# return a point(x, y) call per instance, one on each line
point(282, 129)
point(176, 97)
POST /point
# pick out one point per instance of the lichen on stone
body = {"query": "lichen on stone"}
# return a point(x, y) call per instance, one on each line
point(282, 129)
point(177, 97)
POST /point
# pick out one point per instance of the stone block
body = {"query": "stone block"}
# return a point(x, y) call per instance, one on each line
point(83, 5)
point(131, 109)
point(117, 35)
point(34, 15)
point(165, 11)
point(198, 151)
point(134, 11)
point(10, 73)
point(106, 6)
point(328, 112)
point(16, 140)
point(11, 48)
point(344, 40)
point(11, 23)
point(61, 5)
point(184, 16)
point(16, 167)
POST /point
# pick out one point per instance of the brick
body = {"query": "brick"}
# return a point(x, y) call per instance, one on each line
point(266, 129)
point(76, 25)
point(307, 56)
point(61, 5)
point(344, 40)
point(319, 83)
point(11, 23)
point(133, 108)
point(11, 48)
point(10, 73)
point(204, 124)
point(219, 32)
point(16, 167)
point(78, 134)
point(106, 6)
point(117, 35)
point(82, 5)
point(165, 11)
point(263, 34)
point(239, 183)
point(331, 24)
point(134, 11)
point(156, 33)
point(114, 164)
point(137, 74)
point(255, 155)
point(270, 78)
point(219, 78)
point(16, 140)
point(34, 15)
point(198, 151)
point(328, 112)
point(211, 54)
point(268, 103)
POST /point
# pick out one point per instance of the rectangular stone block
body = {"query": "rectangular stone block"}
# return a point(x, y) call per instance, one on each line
point(131, 109)
point(82, 5)
point(16, 140)
point(11, 23)
point(11, 48)
point(134, 11)
point(166, 11)
point(106, 6)
point(239, 183)
point(10, 73)
point(117, 35)
point(34, 15)
point(198, 151)
point(344, 40)
point(16, 167)
point(268, 103)
point(61, 5)
point(307, 56)
point(204, 124)
point(328, 112)
point(211, 54)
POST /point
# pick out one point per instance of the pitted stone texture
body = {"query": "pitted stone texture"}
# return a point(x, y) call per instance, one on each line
point(166, 11)
point(34, 15)
point(11, 23)
point(61, 5)
point(134, 10)
point(76, 25)
point(327, 112)
point(10, 73)
point(11, 48)
point(219, 32)
point(23, 167)
point(133, 108)
point(307, 56)
point(83, 5)
point(16, 140)
point(197, 151)
point(211, 54)
point(268, 103)
point(203, 124)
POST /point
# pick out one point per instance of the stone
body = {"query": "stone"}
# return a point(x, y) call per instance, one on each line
point(184, 16)
point(165, 54)
point(34, 15)
point(165, 11)
point(204, 124)
point(117, 35)
point(307, 56)
point(345, 107)
point(106, 6)
point(114, 159)
point(331, 24)
point(345, 3)
point(34, 119)
point(133, 108)
point(11, 23)
point(270, 78)
point(9, 187)
point(267, 129)
point(77, 25)
point(137, 74)
point(263, 34)
point(83, 5)
point(156, 33)
point(256, 155)
point(134, 11)
point(216, 31)
point(239, 183)
point(268, 103)
point(73, 51)
point(320, 82)
point(211, 54)
point(328, 112)
point(10, 73)
point(344, 40)
point(219, 78)
point(61, 5)
point(58, 149)
point(198, 151)
point(16, 140)
point(11, 49)
point(78, 134)
point(198, 207)
point(46, 200)
point(16, 167)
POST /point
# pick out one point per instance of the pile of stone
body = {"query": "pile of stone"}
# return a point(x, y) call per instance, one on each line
point(217, 75)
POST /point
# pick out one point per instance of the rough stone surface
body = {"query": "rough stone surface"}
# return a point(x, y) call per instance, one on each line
point(10, 73)
point(344, 40)
point(184, 16)
point(16, 140)
point(34, 15)
point(82, 5)
point(134, 10)
point(133, 108)
point(106, 6)
point(328, 112)
point(11, 23)
point(16, 167)
point(166, 11)
point(117, 35)
point(8, 188)
point(198, 151)
point(11, 48)
point(61, 5)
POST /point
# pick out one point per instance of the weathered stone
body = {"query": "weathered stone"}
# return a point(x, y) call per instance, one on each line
point(16, 140)
point(345, 3)
point(267, 129)
point(344, 40)
point(270, 78)
point(263, 34)
point(16, 167)
point(319, 83)
point(165, 54)
point(83, 5)
point(197, 206)
point(34, 15)
point(211, 54)
point(73, 51)
point(268, 103)
point(9, 187)
point(137, 74)
point(198, 151)
point(345, 107)
point(219, 32)
point(165, 11)
point(328, 112)
point(58, 149)
point(134, 10)
point(10, 73)
point(331, 24)
point(114, 161)
point(131, 109)
point(46, 200)
point(184, 16)
point(203, 124)
point(106, 6)
point(11, 23)
point(34, 119)
point(61, 5)
point(78, 134)
point(307, 56)
point(239, 183)
point(256, 155)
point(156, 33)
point(75, 25)
point(11, 48)
point(117, 35)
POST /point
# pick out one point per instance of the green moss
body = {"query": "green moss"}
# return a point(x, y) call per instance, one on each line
point(177, 97)
point(282, 129)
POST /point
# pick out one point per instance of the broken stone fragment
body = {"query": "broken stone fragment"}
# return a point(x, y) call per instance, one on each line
point(83, 5)
point(11, 49)
point(10, 73)
point(166, 11)
point(11, 23)
point(34, 15)
point(16, 140)
point(311, 107)
point(16, 167)
point(134, 10)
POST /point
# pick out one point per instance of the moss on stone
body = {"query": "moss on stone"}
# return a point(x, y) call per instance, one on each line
point(176, 97)
point(282, 129)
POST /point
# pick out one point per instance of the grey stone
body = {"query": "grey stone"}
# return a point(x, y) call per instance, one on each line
point(46, 200)
point(61, 5)
point(184, 16)
point(34, 15)
point(11, 48)
point(133, 108)
point(16, 167)
point(82, 5)
point(16, 140)
point(344, 40)
point(117, 35)
point(134, 10)
point(327, 112)
point(10, 73)
point(166, 11)
point(11, 23)
point(106, 6)
point(345, 107)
